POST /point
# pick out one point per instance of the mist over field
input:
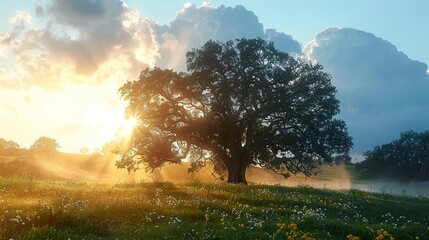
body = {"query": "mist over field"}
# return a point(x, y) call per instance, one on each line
point(101, 169)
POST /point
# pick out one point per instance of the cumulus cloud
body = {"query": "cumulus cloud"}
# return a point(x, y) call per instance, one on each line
point(382, 91)
point(194, 25)
point(21, 16)
point(283, 41)
point(85, 41)
point(92, 29)
point(81, 42)
point(83, 12)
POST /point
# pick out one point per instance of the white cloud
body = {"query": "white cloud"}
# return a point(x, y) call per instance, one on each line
point(83, 41)
point(382, 91)
point(193, 26)
point(21, 16)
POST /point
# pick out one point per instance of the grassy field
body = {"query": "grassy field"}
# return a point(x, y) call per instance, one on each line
point(75, 196)
point(35, 209)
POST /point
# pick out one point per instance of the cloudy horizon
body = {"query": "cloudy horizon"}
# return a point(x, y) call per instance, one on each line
point(69, 57)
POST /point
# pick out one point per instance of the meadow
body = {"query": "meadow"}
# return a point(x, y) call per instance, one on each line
point(66, 196)
point(34, 209)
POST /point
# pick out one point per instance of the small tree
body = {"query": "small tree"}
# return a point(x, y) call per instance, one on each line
point(8, 145)
point(112, 147)
point(45, 144)
point(405, 158)
point(84, 150)
point(240, 103)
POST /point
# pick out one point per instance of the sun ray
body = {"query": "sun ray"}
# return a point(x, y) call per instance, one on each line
point(128, 126)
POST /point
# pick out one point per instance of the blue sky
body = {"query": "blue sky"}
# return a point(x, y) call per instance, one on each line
point(60, 69)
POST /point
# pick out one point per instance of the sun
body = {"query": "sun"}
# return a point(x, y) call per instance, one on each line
point(128, 126)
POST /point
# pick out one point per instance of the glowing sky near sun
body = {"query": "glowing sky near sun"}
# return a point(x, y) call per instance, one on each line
point(62, 61)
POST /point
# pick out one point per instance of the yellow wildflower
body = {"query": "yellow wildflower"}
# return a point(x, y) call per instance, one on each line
point(293, 226)
point(351, 237)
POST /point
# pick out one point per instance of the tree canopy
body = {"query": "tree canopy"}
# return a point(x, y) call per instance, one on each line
point(404, 158)
point(8, 145)
point(240, 103)
point(45, 144)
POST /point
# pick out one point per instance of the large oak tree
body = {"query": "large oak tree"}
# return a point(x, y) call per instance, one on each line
point(240, 103)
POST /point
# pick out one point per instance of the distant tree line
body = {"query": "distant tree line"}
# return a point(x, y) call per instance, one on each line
point(41, 144)
point(8, 145)
point(406, 158)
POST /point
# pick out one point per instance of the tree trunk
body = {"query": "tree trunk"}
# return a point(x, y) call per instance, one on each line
point(238, 161)
point(237, 173)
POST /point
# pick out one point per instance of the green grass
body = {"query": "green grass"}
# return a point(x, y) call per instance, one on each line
point(34, 209)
